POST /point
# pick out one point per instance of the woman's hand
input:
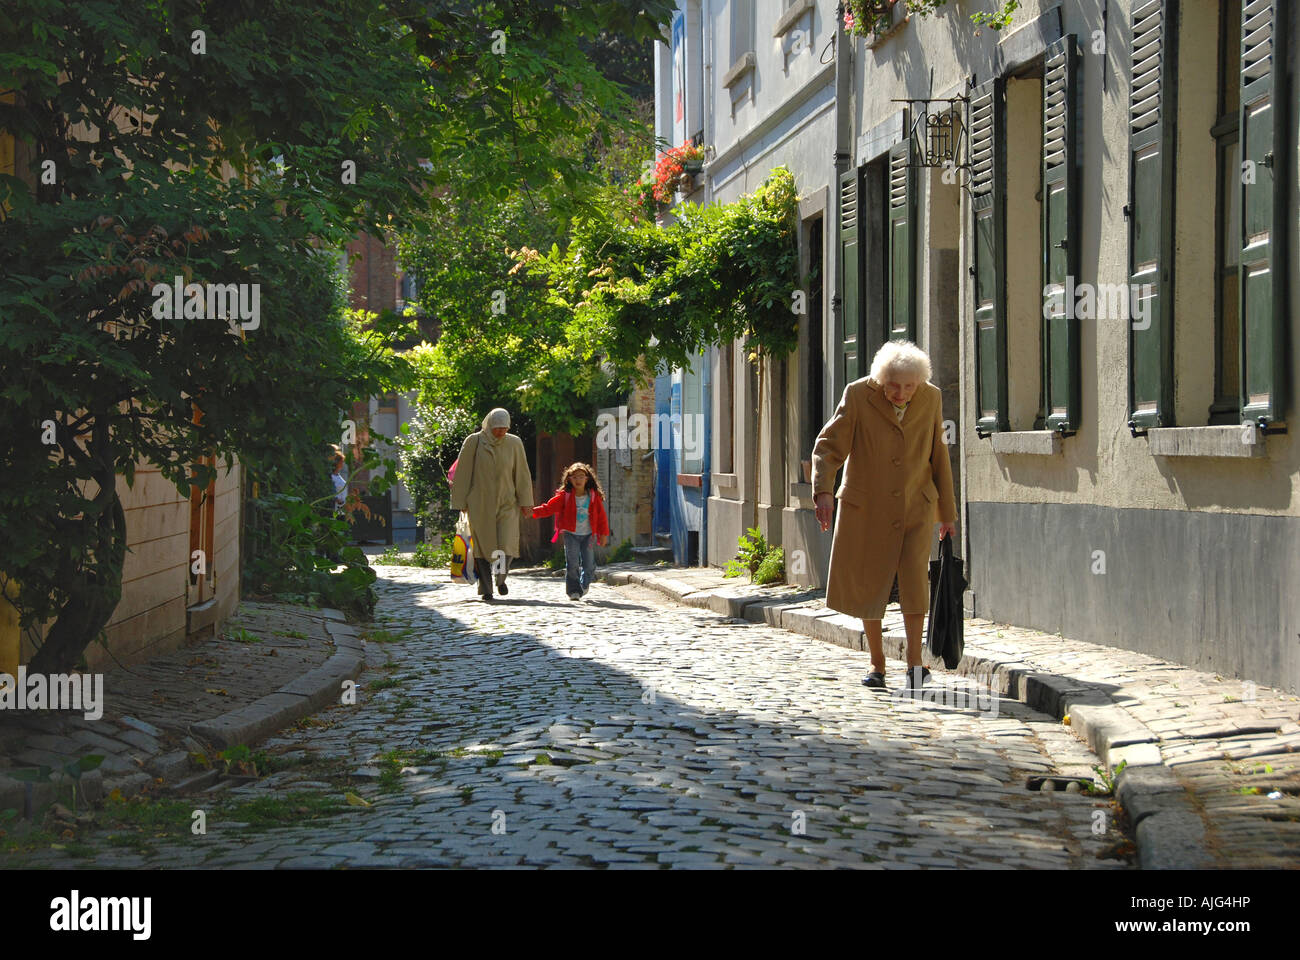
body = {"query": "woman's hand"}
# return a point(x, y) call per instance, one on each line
point(527, 512)
point(947, 530)
point(825, 507)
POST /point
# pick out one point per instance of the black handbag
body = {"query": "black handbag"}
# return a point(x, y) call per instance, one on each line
point(947, 587)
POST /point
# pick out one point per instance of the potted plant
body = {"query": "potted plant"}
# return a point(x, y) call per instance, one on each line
point(676, 169)
point(692, 157)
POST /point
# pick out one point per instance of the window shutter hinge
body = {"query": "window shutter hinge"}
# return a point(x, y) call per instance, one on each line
point(1133, 429)
point(1128, 211)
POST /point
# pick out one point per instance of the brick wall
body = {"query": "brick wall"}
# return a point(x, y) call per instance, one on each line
point(628, 478)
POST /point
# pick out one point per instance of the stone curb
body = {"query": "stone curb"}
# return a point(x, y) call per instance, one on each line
point(308, 693)
point(1168, 831)
point(303, 696)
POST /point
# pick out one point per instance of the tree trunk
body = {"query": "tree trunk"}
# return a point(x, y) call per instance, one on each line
point(92, 580)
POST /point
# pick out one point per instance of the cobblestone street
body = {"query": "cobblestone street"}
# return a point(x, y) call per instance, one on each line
point(627, 731)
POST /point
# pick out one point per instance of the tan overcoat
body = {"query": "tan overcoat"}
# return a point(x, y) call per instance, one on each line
point(492, 482)
point(897, 484)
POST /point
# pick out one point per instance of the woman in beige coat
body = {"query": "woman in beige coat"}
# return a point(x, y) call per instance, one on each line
point(888, 433)
point(493, 483)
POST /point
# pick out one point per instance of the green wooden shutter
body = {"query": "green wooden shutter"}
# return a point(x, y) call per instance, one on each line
point(851, 275)
point(902, 246)
point(1263, 227)
point(1060, 236)
point(1152, 110)
point(989, 251)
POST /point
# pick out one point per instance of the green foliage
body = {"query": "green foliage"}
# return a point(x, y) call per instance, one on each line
point(425, 555)
point(430, 448)
point(556, 560)
point(72, 771)
point(503, 340)
point(764, 563)
point(412, 92)
point(772, 568)
point(868, 18)
point(752, 549)
point(644, 298)
point(292, 556)
point(620, 554)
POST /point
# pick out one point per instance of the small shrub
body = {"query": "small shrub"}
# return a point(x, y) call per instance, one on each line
point(772, 568)
point(620, 554)
point(753, 548)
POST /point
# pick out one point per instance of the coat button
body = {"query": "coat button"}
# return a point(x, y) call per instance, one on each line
point(898, 493)
point(897, 524)
point(897, 462)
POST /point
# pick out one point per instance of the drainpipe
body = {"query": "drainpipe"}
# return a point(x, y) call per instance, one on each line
point(706, 405)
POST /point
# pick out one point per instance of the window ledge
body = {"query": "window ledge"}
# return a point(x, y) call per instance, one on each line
point(723, 481)
point(1036, 443)
point(899, 15)
point(801, 496)
point(690, 480)
point(740, 69)
point(791, 17)
point(1228, 441)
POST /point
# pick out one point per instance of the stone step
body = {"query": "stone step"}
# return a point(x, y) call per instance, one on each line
point(652, 554)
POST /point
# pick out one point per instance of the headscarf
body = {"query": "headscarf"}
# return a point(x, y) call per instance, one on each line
point(497, 417)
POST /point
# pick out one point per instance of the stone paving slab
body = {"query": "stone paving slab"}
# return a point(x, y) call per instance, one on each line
point(1186, 744)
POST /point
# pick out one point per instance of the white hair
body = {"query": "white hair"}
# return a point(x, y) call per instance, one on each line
point(900, 357)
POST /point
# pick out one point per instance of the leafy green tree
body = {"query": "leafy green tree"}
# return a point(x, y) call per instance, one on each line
point(643, 298)
point(431, 447)
point(372, 107)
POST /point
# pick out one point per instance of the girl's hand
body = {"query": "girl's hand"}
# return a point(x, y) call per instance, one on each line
point(947, 530)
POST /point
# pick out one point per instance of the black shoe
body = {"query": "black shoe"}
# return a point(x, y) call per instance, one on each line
point(910, 683)
point(501, 586)
point(875, 680)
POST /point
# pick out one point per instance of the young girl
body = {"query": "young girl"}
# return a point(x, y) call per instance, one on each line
point(579, 510)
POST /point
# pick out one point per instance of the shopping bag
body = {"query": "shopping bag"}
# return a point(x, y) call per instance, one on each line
point(944, 634)
point(462, 554)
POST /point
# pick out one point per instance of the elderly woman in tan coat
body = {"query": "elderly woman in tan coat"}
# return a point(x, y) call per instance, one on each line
point(888, 433)
point(492, 482)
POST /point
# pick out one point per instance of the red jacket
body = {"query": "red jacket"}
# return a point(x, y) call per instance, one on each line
point(564, 507)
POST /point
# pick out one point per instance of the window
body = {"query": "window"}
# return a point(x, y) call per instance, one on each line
point(877, 257)
point(1024, 201)
point(742, 29)
point(814, 378)
point(739, 76)
point(1229, 294)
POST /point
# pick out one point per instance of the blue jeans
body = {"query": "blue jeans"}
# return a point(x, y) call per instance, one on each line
point(579, 550)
